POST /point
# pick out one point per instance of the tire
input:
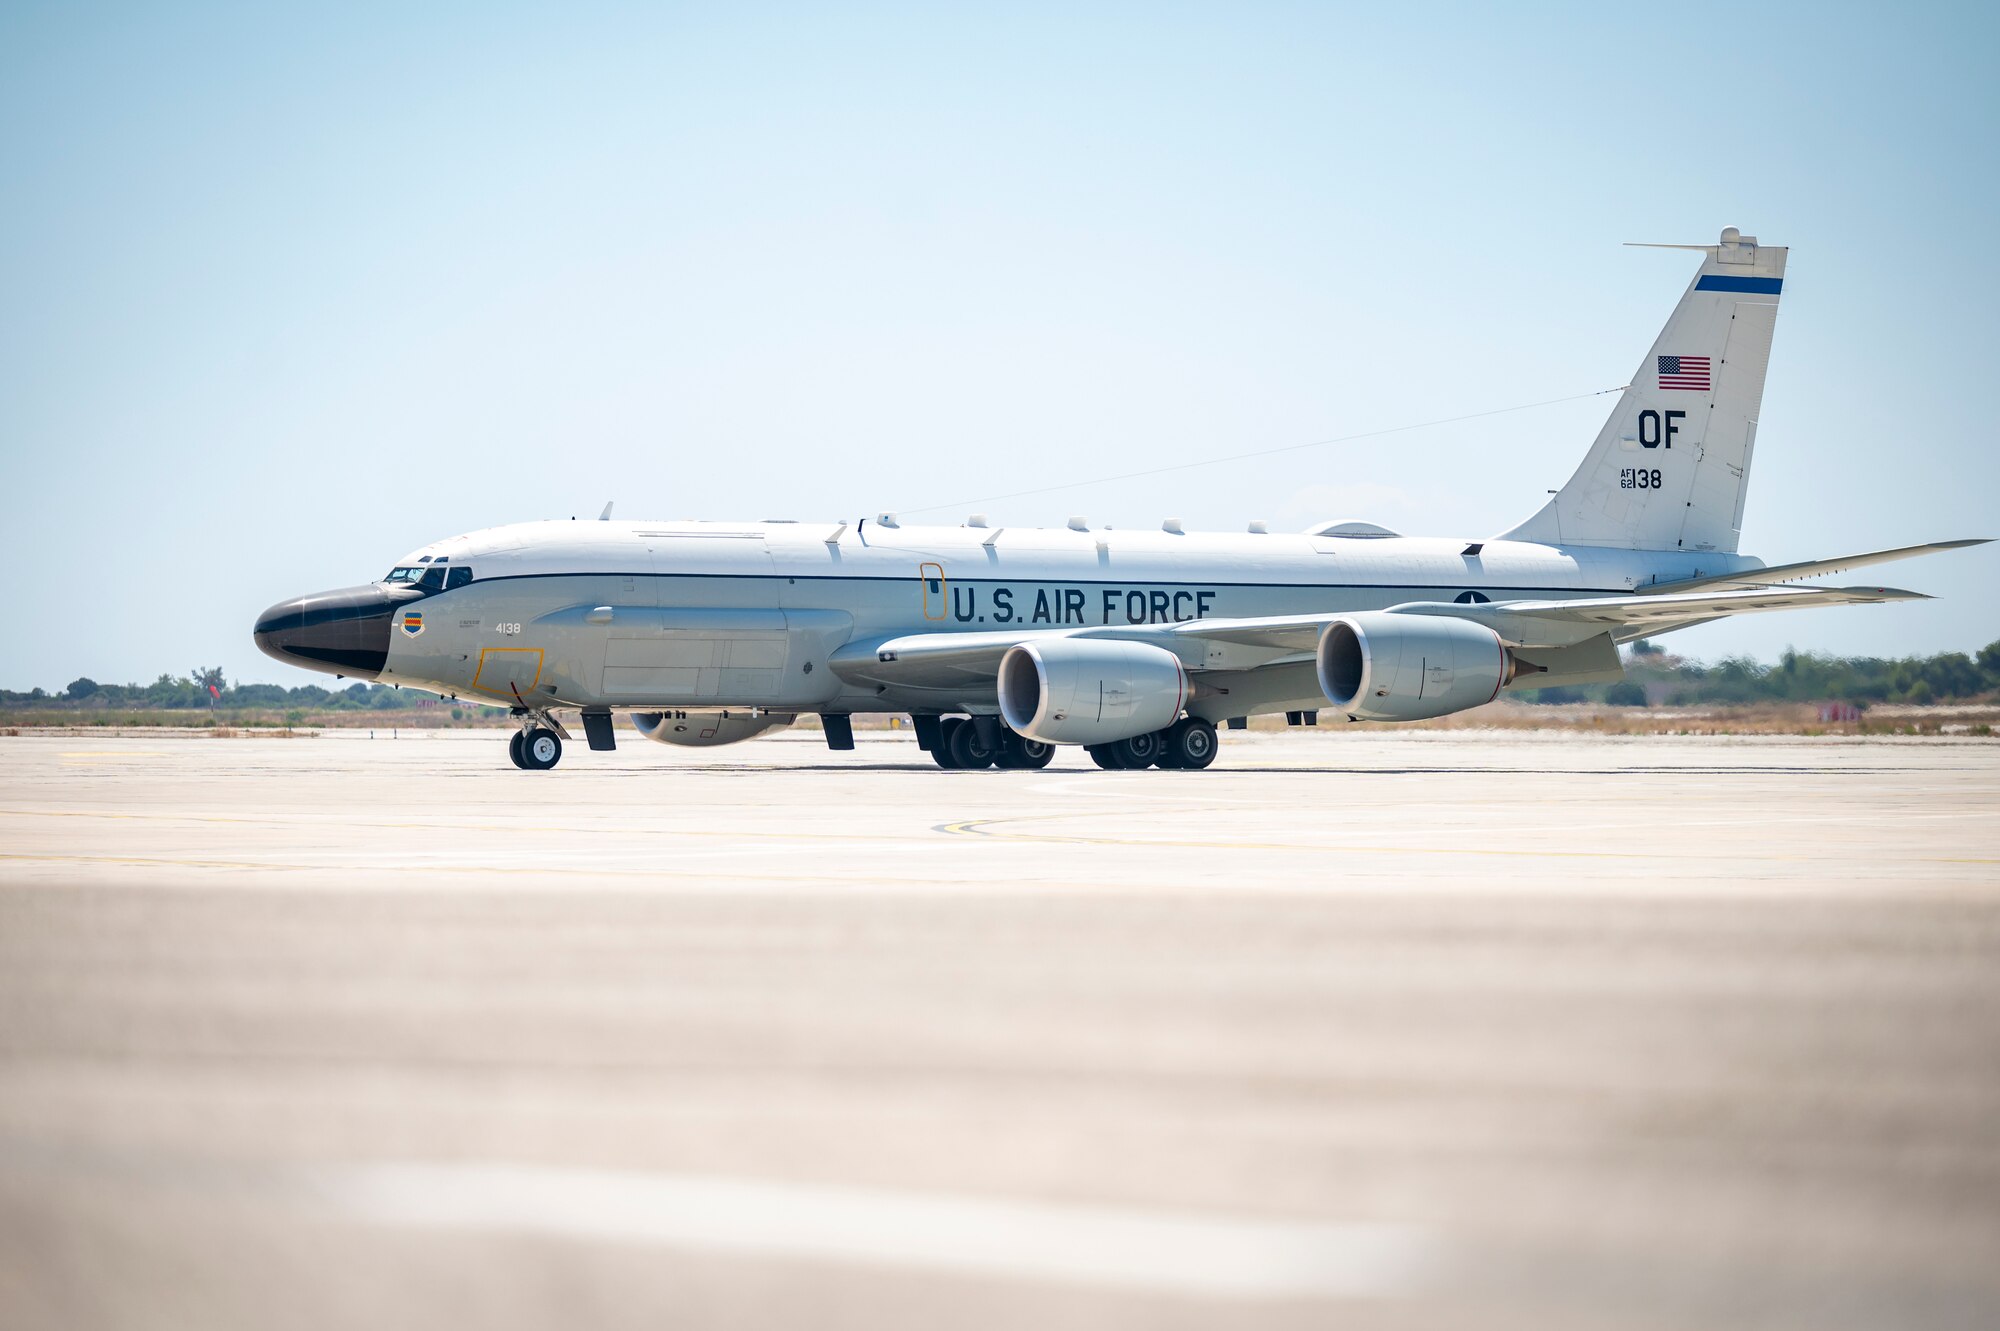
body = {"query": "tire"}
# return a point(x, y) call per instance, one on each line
point(1190, 744)
point(941, 755)
point(1036, 755)
point(541, 749)
point(967, 752)
point(514, 749)
point(1101, 755)
point(1138, 751)
point(1021, 754)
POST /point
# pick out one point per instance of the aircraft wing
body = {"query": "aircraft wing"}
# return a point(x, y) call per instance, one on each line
point(1561, 623)
point(957, 660)
point(1810, 568)
point(960, 660)
point(1553, 623)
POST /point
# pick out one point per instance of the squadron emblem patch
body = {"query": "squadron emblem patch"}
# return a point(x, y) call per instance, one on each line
point(413, 622)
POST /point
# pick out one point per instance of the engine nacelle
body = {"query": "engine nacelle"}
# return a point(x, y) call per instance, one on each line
point(705, 730)
point(1090, 691)
point(1384, 667)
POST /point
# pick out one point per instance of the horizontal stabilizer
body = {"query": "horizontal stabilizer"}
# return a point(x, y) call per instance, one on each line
point(1810, 568)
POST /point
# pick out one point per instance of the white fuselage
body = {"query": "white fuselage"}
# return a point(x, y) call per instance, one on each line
point(648, 615)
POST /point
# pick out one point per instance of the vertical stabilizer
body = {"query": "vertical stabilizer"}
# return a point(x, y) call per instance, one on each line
point(1670, 468)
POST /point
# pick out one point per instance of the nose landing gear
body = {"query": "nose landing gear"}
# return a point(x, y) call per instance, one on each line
point(535, 749)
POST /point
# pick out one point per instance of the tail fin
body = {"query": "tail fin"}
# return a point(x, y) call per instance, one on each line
point(1670, 469)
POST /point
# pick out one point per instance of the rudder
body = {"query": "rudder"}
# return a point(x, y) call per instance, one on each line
point(1671, 467)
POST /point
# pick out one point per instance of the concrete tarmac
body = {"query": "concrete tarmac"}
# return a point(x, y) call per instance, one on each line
point(1405, 1030)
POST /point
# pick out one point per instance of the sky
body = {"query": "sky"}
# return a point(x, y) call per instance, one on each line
point(287, 291)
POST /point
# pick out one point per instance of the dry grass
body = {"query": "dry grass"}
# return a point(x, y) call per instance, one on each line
point(1746, 719)
point(1971, 720)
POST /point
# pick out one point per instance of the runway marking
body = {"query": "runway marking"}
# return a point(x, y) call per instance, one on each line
point(1184, 1253)
point(978, 827)
point(455, 824)
point(404, 869)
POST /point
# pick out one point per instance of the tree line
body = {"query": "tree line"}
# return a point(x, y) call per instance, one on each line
point(1653, 676)
point(207, 688)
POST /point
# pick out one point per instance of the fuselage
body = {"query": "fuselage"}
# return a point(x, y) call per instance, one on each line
point(650, 615)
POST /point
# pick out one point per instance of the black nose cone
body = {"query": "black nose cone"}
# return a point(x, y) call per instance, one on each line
point(341, 633)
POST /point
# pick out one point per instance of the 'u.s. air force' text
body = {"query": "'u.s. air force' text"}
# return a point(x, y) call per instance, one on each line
point(1078, 605)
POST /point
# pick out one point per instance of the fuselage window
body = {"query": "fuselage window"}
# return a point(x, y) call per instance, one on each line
point(458, 577)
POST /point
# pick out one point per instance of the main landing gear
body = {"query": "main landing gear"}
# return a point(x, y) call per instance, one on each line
point(536, 749)
point(959, 746)
point(1188, 745)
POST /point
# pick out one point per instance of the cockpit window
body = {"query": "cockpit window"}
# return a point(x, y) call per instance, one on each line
point(404, 575)
point(458, 577)
point(433, 579)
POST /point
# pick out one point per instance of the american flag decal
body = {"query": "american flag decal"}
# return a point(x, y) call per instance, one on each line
point(1684, 372)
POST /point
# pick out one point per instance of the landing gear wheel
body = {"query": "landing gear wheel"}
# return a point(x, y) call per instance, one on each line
point(1036, 755)
point(540, 749)
point(1019, 753)
point(514, 748)
point(1138, 751)
point(1189, 744)
point(941, 755)
point(1101, 755)
point(966, 749)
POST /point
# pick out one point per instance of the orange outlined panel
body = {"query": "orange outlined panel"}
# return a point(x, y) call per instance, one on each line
point(507, 671)
point(935, 603)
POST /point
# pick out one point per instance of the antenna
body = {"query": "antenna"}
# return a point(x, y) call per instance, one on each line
point(605, 516)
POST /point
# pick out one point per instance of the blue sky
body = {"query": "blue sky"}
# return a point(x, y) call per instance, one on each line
point(287, 291)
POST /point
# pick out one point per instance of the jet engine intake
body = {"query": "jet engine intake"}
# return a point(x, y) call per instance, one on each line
point(1090, 691)
point(1375, 666)
point(706, 730)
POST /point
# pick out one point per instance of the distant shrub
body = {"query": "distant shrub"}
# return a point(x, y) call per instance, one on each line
point(1625, 694)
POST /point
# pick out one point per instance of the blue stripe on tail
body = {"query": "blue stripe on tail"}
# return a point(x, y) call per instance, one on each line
point(1763, 286)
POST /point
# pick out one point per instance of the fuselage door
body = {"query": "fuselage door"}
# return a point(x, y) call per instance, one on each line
point(936, 604)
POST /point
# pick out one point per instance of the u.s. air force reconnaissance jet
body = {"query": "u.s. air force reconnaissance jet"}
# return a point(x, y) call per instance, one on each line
point(1003, 642)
